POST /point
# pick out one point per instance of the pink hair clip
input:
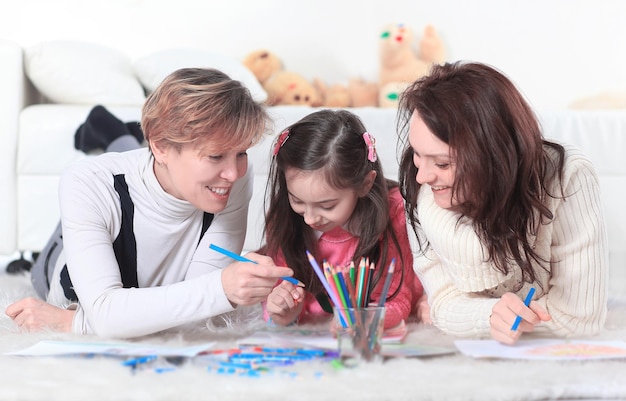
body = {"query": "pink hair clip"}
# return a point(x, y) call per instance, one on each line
point(371, 146)
point(282, 138)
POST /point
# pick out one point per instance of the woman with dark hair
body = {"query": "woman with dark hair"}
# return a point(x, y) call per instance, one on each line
point(497, 210)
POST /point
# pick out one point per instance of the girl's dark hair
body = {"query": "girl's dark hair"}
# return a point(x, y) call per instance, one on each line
point(503, 163)
point(331, 142)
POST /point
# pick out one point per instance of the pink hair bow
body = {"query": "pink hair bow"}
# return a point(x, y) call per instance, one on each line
point(282, 138)
point(371, 146)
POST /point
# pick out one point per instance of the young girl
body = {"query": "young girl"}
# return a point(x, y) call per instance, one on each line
point(499, 211)
point(327, 194)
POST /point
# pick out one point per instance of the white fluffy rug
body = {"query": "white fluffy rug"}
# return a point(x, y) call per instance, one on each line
point(449, 377)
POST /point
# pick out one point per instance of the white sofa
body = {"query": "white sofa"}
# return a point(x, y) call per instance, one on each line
point(38, 144)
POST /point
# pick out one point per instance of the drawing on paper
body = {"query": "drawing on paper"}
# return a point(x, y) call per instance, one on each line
point(582, 350)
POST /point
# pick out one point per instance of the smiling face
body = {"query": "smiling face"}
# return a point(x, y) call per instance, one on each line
point(432, 157)
point(201, 176)
point(322, 206)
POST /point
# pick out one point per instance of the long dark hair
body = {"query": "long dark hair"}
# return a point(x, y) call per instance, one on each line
point(329, 141)
point(503, 163)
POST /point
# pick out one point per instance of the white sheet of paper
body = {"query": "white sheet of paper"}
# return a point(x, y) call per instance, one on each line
point(544, 349)
point(58, 348)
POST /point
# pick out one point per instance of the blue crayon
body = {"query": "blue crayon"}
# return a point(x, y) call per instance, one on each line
point(164, 369)
point(247, 356)
point(272, 364)
point(529, 297)
point(139, 360)
point(282, 357)
point(236, 365)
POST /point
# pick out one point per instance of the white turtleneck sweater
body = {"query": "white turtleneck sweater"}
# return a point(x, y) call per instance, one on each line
point(462, 288)
point(179, 280)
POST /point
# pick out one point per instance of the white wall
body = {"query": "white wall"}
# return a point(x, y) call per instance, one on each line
point(555, 50)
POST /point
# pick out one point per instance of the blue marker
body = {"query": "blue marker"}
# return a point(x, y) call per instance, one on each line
point(529, 298)
point(140, 360)
point(244, 259)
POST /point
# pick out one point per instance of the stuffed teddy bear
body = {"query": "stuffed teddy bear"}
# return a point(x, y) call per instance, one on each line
point(400, 65)
point(282, 87)
point(362, 93)
point(262, 63)
point(336, 95)
point(290, 88)
point(357, 93)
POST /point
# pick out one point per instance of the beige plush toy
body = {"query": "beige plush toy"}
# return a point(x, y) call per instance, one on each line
point(389, 94)
point(336, 95)
point(282, 87)
point(263, 64)
point(358, 93)
point(400, 64)
point(362, 93)
point(290, 88)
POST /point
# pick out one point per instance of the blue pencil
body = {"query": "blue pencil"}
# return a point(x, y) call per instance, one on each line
point(529, 297)
point(240, 258)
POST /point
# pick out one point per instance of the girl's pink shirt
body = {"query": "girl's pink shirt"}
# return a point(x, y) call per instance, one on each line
point(338, 246)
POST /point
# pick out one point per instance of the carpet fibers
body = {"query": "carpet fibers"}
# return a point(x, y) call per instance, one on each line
point(447, 377)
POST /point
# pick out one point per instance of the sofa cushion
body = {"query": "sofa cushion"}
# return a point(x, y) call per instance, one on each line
point(153, 68)
point(73, 72)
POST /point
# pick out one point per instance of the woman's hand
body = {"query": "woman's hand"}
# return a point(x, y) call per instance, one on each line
point(32, 314)
point(506, 310)
point(247, 283)
point(284, 303)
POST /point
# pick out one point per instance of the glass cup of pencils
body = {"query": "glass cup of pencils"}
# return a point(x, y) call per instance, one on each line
point(359, 333)
point(358, 323)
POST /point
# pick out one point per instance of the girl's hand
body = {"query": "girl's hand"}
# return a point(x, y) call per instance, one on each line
point(284, 303)
point(423, 310)
point(32, 314)
point(506, 310)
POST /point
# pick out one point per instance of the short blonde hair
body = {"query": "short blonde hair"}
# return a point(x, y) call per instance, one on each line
point(194, 105)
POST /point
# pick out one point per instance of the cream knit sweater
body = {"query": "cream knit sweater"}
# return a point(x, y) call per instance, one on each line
point(462, 288)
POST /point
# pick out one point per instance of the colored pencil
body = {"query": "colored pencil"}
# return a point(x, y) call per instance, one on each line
point(340, 290)
point(381, 303)
point(369, 272)
point(347, 298)
point(352, 273)
point(333, 282)
point(529, 297)
point(334, 285)
point(240, 258)
point(385, 291)
point(351, 288)
point(361, 283)
point(322, 277)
